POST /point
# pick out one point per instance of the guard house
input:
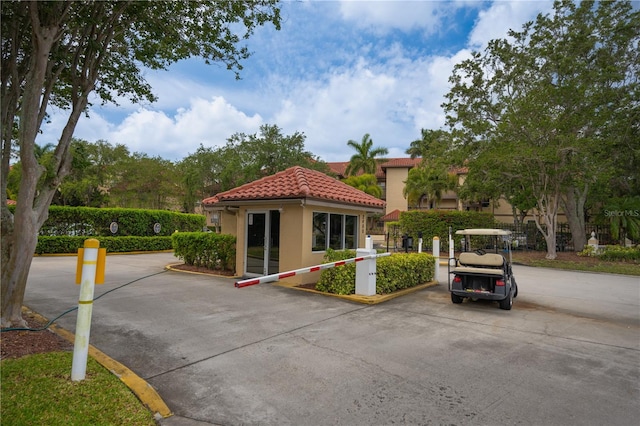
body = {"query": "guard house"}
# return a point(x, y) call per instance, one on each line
point(288, 220)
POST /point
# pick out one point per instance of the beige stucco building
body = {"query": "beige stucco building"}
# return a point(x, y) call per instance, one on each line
point(288, 220)
point(392, 174)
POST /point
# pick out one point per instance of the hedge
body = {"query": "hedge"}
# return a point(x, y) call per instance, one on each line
point(93, 222)
point(395, 272)
point(206, 249)
point(437, 222)
point(66, 244)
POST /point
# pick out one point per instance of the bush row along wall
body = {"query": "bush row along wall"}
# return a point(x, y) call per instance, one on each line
point(395, 272)
point(437, 222)
point(94, 222)
point(209, 250)
point(66, 244)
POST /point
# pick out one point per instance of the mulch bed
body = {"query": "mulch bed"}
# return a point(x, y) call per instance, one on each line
point(15, 344)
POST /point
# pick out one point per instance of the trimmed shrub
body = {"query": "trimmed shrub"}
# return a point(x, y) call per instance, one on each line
point(620, 254)
point(437, 222)
point(66, 229)
point(89, 222)
point(613, 253)
point(340, 280)
point(400, 271)
point(206, 249)
point(395, 272)
point(65, 244)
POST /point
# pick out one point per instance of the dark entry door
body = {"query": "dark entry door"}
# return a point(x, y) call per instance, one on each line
point(263, 243)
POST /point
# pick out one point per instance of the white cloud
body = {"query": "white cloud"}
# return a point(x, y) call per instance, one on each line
point(502, 16)
point(333, 86)
point(157, 133)
point(390, 102)
point(381, 16)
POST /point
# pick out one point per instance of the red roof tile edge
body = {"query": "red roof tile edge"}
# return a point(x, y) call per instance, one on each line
point(296, 183)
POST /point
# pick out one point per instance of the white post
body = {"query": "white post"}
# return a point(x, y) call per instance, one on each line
point(366, 273)
point(420, 245)
point(436, 254)
point(452, 260)
point(85, 309)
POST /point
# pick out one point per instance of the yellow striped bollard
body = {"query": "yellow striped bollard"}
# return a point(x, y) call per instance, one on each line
point(90, 271)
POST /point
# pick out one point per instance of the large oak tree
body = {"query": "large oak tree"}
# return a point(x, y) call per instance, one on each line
point(61, 52)
point(553, 110)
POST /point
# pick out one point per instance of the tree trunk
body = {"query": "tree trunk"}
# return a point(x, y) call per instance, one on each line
point(573, 206)
point(20, 235)
point(547, 212)
point(16, 271)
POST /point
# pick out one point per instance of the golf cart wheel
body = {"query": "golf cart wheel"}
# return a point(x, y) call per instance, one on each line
point(515, 286)
point(455, 298)
point(507, 302)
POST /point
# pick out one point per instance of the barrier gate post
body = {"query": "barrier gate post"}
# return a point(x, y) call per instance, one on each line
point(436, 254)
point(366, 273)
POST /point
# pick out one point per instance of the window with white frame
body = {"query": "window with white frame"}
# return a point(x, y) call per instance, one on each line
point(336, 231)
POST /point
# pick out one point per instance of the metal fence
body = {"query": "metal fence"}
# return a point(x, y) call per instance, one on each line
point(525, 236)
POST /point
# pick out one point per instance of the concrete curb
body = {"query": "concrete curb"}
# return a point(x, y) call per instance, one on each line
point(368, 300)
point(143, 390)
point(170, 267)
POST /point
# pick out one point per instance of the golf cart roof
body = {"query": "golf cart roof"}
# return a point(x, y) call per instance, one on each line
point(483, 231)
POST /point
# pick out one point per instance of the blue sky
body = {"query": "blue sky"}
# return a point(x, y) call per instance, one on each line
point(335, 71)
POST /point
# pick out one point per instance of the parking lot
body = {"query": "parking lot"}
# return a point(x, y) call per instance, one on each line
point(568, 352)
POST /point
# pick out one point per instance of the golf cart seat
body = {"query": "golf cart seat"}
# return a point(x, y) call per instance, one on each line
point(486, 264)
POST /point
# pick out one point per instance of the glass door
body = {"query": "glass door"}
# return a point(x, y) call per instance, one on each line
point(262, 253)
point(274, 242)
point(256, 247)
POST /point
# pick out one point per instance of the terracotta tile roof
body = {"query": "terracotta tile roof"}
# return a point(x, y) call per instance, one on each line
point(394, 216)
point(401, 163)
point(11, 202)
point(339, 168)
point(297, 183)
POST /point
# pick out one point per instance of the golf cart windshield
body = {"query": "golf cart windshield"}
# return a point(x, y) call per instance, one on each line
point(493, 240)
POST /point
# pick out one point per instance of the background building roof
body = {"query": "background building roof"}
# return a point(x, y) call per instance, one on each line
point(340, 167)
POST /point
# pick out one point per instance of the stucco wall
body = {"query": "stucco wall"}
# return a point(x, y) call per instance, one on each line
point(395, 186)
point(295, 235)
point(302, 243)
point(228, 222)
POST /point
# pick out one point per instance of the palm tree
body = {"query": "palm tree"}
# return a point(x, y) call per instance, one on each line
point(414, 187)
point(428, 183)
point(623, 215)
point(41, 151)
point(366, 183)
point(365, 157)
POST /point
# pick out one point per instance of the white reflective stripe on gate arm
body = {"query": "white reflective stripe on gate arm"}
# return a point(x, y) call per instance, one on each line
point(281, 275)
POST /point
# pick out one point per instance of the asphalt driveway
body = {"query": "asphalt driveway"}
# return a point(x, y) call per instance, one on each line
point(568, 352)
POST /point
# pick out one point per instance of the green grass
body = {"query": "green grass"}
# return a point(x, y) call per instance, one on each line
point(37, 389)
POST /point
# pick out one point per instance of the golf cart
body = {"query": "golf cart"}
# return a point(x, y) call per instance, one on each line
point(481, 271)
